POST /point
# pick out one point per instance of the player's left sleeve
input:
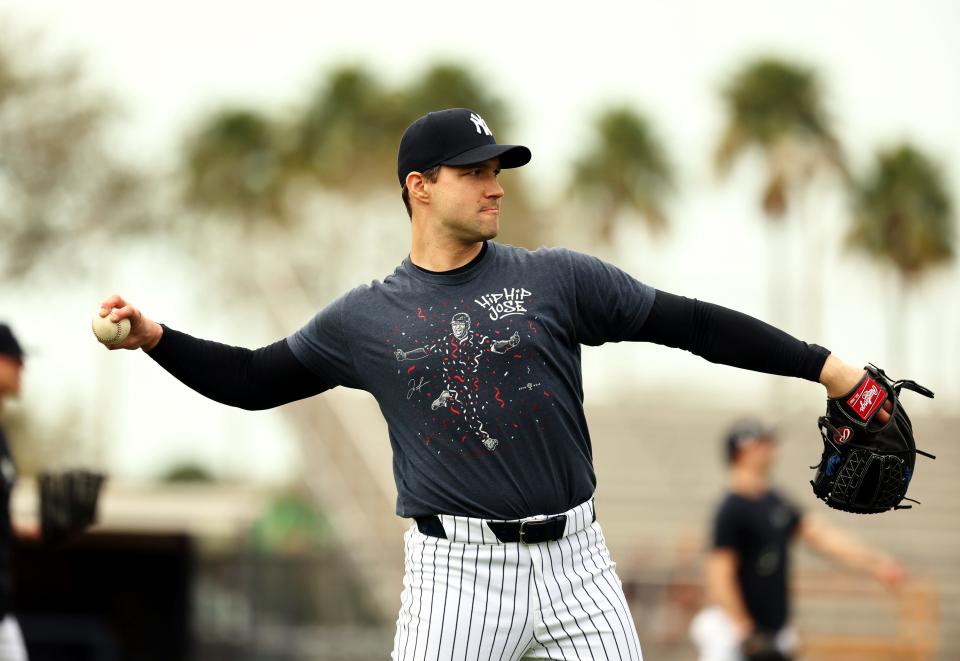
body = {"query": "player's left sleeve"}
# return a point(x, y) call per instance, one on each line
point(728, 337)
point(610, 304)
point(795, 514)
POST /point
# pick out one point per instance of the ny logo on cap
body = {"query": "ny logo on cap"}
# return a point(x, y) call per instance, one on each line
point(479, 123)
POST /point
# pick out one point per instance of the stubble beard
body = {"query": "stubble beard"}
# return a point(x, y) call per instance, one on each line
point(476, 230)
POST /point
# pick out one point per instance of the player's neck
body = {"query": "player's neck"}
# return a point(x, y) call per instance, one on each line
point(437, 255)
point(748, 482)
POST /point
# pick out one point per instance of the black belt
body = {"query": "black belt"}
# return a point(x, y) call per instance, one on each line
point(531, 531)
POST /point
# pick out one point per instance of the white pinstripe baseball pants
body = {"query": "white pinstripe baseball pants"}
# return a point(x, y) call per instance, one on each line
point(471, 597)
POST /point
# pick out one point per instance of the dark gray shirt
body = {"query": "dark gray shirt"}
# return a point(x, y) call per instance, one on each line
point(477, 374)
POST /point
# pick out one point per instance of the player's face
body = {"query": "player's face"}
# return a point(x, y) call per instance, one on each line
point(758, 455)
point(459, 329)
point(10, 369)
point(466, 201)
point(762, 454)
point(769, 455)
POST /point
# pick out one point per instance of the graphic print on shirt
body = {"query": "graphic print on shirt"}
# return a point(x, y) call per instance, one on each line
point(461, 351)
point(463, 376)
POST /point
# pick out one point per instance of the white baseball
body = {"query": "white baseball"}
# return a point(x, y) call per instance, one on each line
point(110, 332)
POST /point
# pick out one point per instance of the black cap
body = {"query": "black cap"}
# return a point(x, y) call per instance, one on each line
point(743, 432)
point(8, 343)
point(456, 136)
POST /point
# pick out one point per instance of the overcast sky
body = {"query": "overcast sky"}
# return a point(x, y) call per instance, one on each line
point(890, 67)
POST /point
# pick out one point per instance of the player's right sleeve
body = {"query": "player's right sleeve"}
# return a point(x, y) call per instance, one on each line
point(726, 528)
point(236, 376)
point(323, 346)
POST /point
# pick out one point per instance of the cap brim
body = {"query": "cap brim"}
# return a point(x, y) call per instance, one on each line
point(511, 156)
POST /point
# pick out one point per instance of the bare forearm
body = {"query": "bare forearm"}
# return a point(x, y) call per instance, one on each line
point(847, 550)
point(154, 333)
point(839, 377)
point(844, 548)
point(723, 590)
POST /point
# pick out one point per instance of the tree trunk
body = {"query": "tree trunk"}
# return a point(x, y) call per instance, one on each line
point(779, 295)
point(815, 249)
point(899, 233)
point(897, 347)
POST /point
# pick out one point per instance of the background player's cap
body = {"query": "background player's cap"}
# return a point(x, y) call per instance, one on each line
point(456, 136)
point(8, 343)
point(745, 432)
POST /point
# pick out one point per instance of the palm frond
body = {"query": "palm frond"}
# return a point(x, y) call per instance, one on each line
point(902, 213)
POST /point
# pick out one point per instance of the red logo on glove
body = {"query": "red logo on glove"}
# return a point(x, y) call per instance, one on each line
point(843, 435)
point(867, 399)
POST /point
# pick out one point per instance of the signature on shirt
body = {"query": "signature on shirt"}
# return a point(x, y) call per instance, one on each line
point(415, 387)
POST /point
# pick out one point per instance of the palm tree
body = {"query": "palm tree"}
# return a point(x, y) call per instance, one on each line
point(237, 169)
point(236, 164)
point(776, 108)
point(449, 85)
point(625, 171)
point(348, 134)
point(902, 217)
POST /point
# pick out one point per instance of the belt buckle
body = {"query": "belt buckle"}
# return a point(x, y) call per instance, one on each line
point(523, 526)
point(534, 523)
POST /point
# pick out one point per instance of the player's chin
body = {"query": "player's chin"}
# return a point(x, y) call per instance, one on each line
point(489, 225)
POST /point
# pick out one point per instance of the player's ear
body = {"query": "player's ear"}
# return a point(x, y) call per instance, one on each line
point(417, 187)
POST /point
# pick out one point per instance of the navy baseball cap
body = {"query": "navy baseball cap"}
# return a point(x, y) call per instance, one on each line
point(745, 432)
point(456, 136)
point(8, 343)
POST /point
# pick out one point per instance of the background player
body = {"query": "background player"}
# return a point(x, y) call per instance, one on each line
point(504, 558)
point(748, 566)
point(11, 368)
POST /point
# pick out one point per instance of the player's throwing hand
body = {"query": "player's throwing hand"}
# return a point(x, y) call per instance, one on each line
point(144, 333)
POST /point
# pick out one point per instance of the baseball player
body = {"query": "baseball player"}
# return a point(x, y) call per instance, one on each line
point(504, 556)
point(748, 566)
point(12, 647)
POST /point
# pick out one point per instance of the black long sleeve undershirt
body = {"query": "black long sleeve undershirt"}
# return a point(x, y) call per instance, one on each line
point(272, 375)
point(728, 337)
point(248, 379)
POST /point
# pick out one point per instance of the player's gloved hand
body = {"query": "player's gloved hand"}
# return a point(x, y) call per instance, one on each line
point(400, 354)
point(144, 333)
point(839, 377)
point(868, 459)
point(514, 339)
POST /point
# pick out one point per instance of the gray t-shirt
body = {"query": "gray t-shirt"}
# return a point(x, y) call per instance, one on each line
point(477, 374)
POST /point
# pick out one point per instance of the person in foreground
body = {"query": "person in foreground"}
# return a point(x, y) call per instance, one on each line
point(472, 351)
point(748, 566)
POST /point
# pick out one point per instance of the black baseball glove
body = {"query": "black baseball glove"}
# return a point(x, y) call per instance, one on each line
point(68, 503)
point(867, 465)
